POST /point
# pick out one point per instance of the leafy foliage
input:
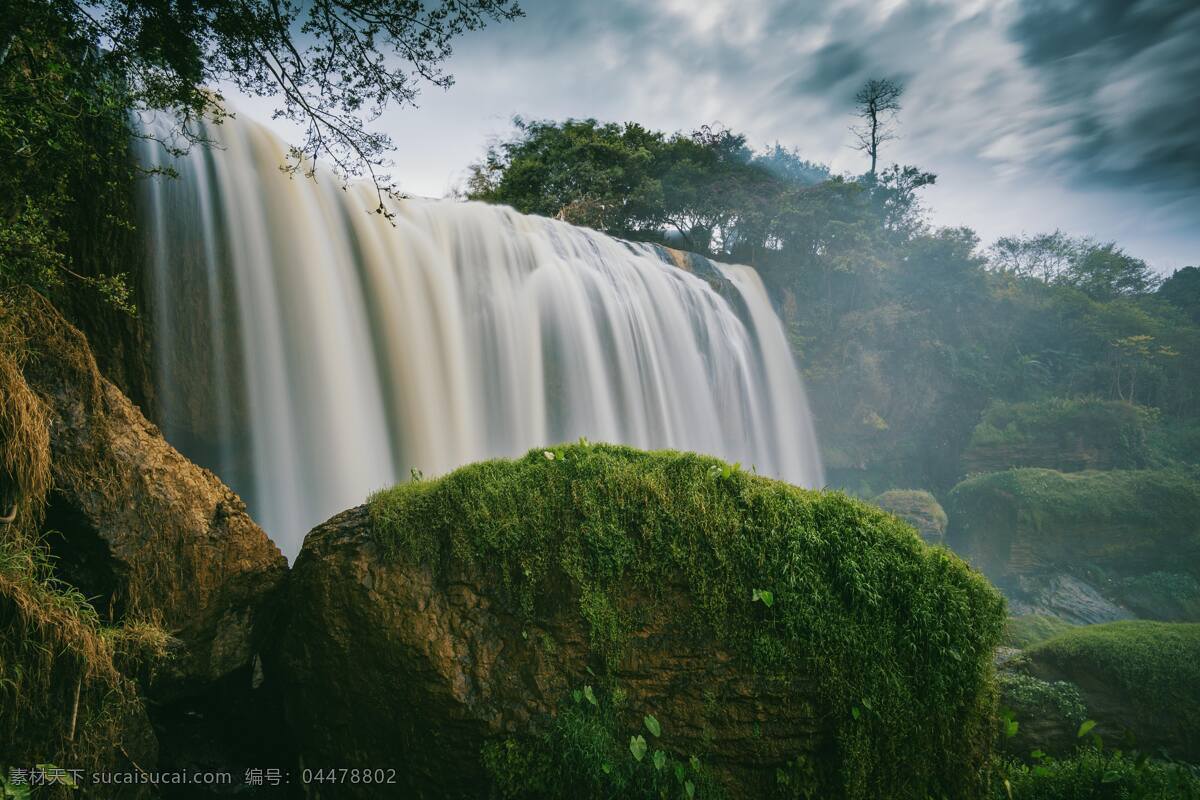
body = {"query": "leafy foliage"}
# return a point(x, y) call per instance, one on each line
point(584, 752)
point(613, 521)
point(1094, 774)
point(73, 76)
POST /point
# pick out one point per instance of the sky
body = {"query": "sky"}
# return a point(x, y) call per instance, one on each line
point(1082, 115)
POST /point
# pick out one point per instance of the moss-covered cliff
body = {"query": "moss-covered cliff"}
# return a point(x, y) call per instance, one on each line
point(1063, 434)
point(1113, 529)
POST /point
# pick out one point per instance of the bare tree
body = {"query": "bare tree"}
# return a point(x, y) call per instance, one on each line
point(877, 101)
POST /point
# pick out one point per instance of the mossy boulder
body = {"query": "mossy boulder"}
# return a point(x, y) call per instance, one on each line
point(919, 509)
point(1063, 434)
point(1136, 676)
point(792, 641)
point(1066, 544)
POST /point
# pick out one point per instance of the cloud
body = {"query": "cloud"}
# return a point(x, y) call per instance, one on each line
point(1125, 80)
point(1035, 113)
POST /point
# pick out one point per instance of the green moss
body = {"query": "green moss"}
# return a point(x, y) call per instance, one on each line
point(1029, 629)
point(1062, 433)
point(1128, 522)
point(863, 613)
point(1156, 665)
point(1166, 596)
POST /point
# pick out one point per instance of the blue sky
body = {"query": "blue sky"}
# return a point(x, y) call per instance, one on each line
point(1078, 114)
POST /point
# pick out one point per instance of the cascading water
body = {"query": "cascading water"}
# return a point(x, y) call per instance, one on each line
point(310, 352)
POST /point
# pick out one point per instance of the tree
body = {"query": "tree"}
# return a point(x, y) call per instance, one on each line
point(877, 102)
point(1182, 290)
point(334, 65)
point(74, 74)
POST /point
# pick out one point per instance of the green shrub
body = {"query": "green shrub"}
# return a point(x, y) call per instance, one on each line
point(1128, 522)
point(1030, 695)
point(891, 639)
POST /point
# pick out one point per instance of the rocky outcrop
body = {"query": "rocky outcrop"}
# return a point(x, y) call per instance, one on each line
point(919, 509)
point(1062, 434)
point(1138, 680)
point(769, 631)
point(1084, 546)
point(135, 525)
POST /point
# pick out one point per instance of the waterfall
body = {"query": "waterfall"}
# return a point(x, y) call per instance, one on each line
point(309, 351)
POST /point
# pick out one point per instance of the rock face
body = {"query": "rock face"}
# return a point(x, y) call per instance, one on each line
point(1084, 546)
point(919, 509)
point(770, 631)
point(136, 525)
point(1138, 676)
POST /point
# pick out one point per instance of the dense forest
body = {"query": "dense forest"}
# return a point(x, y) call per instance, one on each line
point(996, 595)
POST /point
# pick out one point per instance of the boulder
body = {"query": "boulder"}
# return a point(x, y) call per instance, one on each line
point(595, 617)
point(1139, 680)
point(135, 526)
point(919, 509)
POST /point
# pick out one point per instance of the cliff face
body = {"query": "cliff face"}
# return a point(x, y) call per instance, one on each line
point(107, 510)
point(515, 623)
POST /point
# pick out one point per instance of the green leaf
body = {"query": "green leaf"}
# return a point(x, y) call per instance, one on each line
point(653, 726)
point(590, 695)
point(695, 762)
point(1085, 728)
point(680, 772)
point(1037, 754)
point(1010, 727)
point(867, 704)
point(637, 746)
point(660, 760)
point(854, 712)
point(1111, 776)
point(577, 696)
point(689, 788)
point(763, 596)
